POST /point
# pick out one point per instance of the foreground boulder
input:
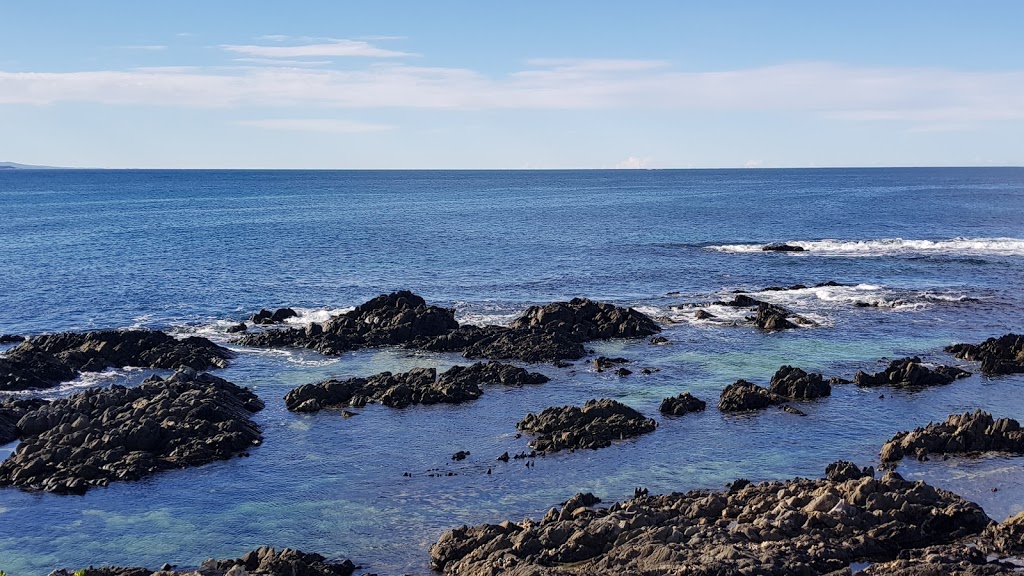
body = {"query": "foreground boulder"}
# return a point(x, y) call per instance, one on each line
point(773, 528)
point(944, 560)
point(417, 386)
point(1003, 355)
point(547, 333)
point(681, 404)
point(796, 384)
point(744, 396)
point(45, 361)
point(263, 561)
point(909, 372)
point(960, 433)
point(593, 426)
point(104, 435)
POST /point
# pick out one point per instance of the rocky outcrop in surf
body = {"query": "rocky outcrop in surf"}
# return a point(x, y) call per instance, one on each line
point(264, 561)
point(681, 404)
point(796, 384)
point(910, 372)
point(46, 361)
point(743, 396)
point(960, 434)
point(417, 386)
point(264, 316)
point(773, 528)
point(593, 426)
point(11, 412)
point(546, 333)
point(118, 434)
point(1002, 355)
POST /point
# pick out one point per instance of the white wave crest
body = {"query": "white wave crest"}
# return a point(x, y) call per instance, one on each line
point(307, 316)
point(890, 246)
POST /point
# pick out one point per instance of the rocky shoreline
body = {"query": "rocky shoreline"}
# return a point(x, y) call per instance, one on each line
point(98, 436)
point(264, 561)
point(772, 528)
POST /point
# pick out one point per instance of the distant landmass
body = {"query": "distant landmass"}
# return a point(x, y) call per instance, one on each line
point(16, 166)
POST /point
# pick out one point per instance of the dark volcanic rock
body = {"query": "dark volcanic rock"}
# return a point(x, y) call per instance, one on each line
point(528, 345)
point(773, 528)
point(11, 411)
point(681, 404)
point(582, 320)
point(960, 433)
point(1006, 538)
point(795, 384)
point(45, 361)
point(842, 470)
point(417, 386)
point(237, 328)
point(263, 561)
point(276, 317)
point(910, 372)
point(594, 426)
point(944, 560)
point(547, 333)
point(117, 433)
point(1003, 355)
point(602, 363)
point(11, 338)
point(387, 320)
point(782, 248)
point(743, 396)
point(772, 317)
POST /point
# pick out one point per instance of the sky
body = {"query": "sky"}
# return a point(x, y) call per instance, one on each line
point(514, 85)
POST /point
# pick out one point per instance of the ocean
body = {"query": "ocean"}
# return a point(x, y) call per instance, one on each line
point(925, 258)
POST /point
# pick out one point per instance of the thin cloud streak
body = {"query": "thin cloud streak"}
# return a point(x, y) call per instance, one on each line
point(842, 93)
point(329, 126)
point(338, 48)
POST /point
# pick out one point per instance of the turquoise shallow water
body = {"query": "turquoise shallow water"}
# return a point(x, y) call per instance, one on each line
point(942, 251)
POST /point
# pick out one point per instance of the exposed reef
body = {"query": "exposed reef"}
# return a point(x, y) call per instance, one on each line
point(46, 361)
point(113, 434)
point(417, 386)
point(595, 425)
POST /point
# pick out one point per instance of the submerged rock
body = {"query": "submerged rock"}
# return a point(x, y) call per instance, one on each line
point(960, 433)
point(795, 384)
point(417, 386)
point(910, 372)
point(263, 561)
point(681, 404)
point(1003, 355)
point(773, 528)
point(593, 426)
point(744, 396)
point(112, 434)
point(45, 361)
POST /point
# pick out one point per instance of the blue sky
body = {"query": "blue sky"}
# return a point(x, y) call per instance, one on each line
point(568, 84)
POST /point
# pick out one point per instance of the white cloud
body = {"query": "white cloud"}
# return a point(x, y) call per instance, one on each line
point(634, 163)
point(273, 38)
point(330, 126)
point(930, 97)
point(754, 164)
point(286, 63)
point(341, 48)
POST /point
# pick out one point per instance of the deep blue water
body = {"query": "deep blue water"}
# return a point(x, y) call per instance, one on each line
point(941, 250)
